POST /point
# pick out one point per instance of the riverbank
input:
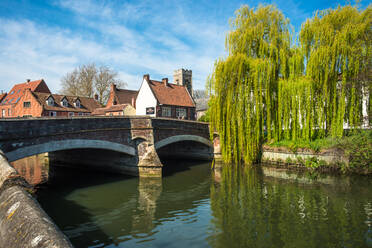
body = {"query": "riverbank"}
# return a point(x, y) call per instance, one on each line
point(351, 154)
point(22, 221)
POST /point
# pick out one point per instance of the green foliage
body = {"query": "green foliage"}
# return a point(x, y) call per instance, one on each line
point(358, 148)
point(312, 163)
point(206, 117)
point(288, 160)
point(241, 85)
point(262, 89)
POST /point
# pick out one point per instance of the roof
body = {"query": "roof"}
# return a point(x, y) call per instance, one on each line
point(87, 104)
point(171, 94)
point(18, 90)
point(113, 108)
point(2, 96)
point(125, 96)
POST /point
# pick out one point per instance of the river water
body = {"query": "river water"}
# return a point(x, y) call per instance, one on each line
point(194, 206)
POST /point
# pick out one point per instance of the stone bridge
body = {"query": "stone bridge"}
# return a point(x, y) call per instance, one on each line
point(130, 145)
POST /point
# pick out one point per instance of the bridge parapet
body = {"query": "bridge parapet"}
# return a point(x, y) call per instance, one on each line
point(138, 138)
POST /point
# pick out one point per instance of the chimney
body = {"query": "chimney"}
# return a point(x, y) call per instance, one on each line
point(113, 87)
point(147, 77)
point(28, 80)
point(96, 97)
point(165, 81)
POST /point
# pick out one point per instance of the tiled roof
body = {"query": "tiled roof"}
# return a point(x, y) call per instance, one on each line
point(113, 108)
point(18, 90)
point(87, 104)
point(125, 96)
point(171, 94)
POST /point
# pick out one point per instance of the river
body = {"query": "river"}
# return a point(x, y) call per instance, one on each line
point(194, 206)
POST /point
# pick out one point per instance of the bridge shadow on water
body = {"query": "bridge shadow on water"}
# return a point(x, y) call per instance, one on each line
point(64, 198)
point(98, 209)
point(173, 166)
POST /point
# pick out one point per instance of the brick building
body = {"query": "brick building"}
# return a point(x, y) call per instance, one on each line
point(34, 99)
point(164, 99)
point(120, 102)
point(9, 102)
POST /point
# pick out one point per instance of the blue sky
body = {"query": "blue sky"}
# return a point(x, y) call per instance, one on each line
point(47, 39)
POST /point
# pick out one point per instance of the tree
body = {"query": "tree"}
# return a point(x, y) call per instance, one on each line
point(267, 88)
point(337, 46)
point(87, 80)
point(103, 78)
point(200, 94)
point(243, 85)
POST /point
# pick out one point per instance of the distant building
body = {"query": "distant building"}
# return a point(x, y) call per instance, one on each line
point(201, 107)
point(34, 99)
point(164, 99)
point(120, 102)
point(115, 110)
point(8, 103)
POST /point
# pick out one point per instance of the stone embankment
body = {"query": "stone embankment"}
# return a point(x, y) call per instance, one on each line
point(303, 159)
point(23, 223)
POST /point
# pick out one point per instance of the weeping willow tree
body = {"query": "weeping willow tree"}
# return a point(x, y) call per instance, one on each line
point(266, 88)
point(244, 85)
point(337, 47)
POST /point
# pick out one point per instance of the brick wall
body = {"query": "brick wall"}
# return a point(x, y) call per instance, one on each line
point(35, 109)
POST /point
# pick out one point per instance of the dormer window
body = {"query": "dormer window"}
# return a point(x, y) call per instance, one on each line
point(77, 103)
point(50, 101)
point(64, 102)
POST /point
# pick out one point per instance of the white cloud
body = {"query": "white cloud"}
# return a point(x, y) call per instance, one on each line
point(160, 45)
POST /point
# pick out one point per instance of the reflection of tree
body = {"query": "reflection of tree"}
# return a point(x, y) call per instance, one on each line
point(149, 192)
point(252, 211)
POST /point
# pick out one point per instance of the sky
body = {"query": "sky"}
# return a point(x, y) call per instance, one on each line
point(47, 39)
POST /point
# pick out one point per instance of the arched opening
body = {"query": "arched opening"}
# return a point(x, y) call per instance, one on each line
point(178, 153)
point(56, 160)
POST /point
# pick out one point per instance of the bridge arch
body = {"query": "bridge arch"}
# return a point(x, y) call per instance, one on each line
point(68, 144)
point(178, 138)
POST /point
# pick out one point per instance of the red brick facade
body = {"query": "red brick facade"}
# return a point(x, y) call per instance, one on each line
point(30, 100)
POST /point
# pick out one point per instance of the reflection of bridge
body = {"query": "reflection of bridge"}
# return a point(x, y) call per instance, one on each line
point(127, 144)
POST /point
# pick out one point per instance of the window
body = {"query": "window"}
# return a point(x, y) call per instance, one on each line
point(166, 111)
point(10, 101)
point(27, 104)
point(64, 102)
point(9, 112)
point(181, 112)
point(50, 101)
point(52, 113)
point(77, 104)
point(70, 114)
point(80, 114)
point(18, 99)
point(11, 93)
point(3, 113)
point(27, 116)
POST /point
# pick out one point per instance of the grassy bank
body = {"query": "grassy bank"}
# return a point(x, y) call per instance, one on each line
point(356, 146)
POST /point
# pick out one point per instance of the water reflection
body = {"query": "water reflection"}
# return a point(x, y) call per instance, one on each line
point(227, 207)
point(253, 210)
point(149, 190)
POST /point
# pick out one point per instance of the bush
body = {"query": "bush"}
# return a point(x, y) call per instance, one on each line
point(358, 148)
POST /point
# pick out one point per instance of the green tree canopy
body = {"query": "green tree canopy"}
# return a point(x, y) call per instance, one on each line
point(268, 88)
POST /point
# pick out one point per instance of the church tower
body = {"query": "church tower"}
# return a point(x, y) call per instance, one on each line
point(183, 77)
